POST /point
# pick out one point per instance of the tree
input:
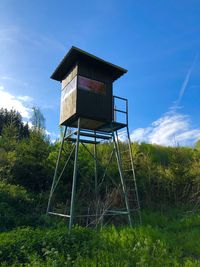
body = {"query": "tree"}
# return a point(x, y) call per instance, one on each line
point(8, 143)
point(13, 118)
point(31, 168)
point(38, 119)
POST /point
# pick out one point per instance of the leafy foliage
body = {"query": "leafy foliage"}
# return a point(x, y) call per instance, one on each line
point(15, 119)
point(15, 204)
point(31, 166)
point(38, 119)
point(169, 191)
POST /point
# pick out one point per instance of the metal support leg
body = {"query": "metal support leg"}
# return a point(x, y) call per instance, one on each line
point(74, 179)
point(96, 176)
point(63, 170)
point(122, 179)
point(56, 170)
point(95, 168)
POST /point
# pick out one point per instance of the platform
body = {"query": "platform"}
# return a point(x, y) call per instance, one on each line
point(114, 126)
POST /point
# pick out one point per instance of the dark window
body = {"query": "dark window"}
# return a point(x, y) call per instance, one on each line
point(91, 85)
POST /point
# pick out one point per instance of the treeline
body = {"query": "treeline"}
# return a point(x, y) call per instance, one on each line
point(166, 176)
point(15, 119)
point(24, 152)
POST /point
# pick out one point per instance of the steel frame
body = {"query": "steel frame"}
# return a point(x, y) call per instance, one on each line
point(113, 135)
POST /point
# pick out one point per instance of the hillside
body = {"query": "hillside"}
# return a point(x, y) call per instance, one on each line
point(168, 185)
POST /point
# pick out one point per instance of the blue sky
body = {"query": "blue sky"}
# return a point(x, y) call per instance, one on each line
point(157, 41)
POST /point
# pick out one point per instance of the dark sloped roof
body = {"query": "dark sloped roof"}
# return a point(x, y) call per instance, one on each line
point(75, 54)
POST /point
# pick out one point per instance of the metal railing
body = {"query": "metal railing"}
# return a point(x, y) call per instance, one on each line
point(117, 110)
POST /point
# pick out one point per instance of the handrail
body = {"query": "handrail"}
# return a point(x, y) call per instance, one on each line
point(118, 110)
point(122, 98)
point(115, 109)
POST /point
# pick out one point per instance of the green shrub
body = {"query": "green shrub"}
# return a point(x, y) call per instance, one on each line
point(15, 204)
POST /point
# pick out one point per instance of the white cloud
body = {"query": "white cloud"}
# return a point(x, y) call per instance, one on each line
point(25, 98)
point(7, 78)
point(9, 101)
point(53, 136)
point(29, 123)
point(189, 135)
point(140, 134)
point(15, 35)
point(47, 132)
point(171, 129)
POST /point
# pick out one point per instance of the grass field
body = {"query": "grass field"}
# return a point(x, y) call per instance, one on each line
point(163, 240)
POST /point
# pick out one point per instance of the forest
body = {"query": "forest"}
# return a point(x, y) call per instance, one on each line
point(168, 180)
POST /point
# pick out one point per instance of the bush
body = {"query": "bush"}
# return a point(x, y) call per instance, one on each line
point(15, 204)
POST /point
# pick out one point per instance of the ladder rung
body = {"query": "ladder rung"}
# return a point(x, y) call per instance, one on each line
point(133, 201)
point(128, 170)
point(59, 214)
point(131, 195)
point(100, 136)
point(82, 141)
point(119, 110)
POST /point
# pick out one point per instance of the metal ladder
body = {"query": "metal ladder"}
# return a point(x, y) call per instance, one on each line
point(128, 172)
point(126, 161)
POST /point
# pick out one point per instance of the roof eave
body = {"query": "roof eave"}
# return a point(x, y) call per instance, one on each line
point(56, 75)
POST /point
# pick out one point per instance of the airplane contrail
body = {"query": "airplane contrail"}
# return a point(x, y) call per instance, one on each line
point(186, 81)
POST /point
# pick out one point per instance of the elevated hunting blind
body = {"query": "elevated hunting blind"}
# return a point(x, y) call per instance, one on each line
point(88, 105)
point(87, 89)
